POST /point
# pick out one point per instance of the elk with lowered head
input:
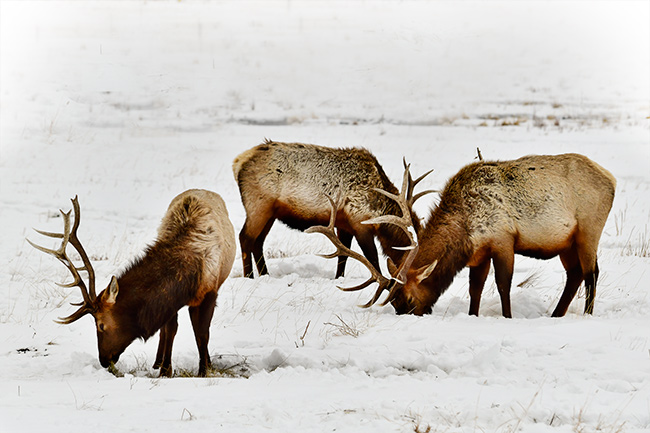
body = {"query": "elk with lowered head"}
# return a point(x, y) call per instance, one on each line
point(291, 181)
point(536, 206)
point(191, 258)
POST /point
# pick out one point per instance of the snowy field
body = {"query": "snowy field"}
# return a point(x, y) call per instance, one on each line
point(129, 103)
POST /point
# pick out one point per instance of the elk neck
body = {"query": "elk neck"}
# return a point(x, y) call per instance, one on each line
point(154, 287)
point(446, 239)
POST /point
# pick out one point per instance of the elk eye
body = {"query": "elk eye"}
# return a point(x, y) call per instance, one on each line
point(101, 327)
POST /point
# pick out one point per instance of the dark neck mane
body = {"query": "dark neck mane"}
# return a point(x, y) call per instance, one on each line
point(444, 238)
point(154, 287)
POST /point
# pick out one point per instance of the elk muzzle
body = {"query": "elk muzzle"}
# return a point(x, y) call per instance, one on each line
point(107, 361)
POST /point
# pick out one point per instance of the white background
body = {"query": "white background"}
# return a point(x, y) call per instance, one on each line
point(129, 103)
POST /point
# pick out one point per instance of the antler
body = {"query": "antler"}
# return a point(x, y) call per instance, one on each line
point(405, 200)
point(342, 250)
point(410, 198)
point(69, 236)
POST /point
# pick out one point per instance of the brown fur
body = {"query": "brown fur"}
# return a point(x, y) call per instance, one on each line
point(538, 206)
point(291, 181)
point(187, 264)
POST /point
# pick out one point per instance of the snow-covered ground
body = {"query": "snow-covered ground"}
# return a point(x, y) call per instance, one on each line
point(129, 103)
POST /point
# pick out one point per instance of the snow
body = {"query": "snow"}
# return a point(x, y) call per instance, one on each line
point(129, 103)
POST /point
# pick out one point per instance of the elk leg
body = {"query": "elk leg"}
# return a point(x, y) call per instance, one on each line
point(573, 279)
point(258, 248)
point(164, 355)
point(201, 316)
point(161, 348)
point(366, 242)
point(249, 237)
point(590, 290)
point(503, 267)
point(477, 276)
point(587, 247)
point(346, 240)
point(246, 243)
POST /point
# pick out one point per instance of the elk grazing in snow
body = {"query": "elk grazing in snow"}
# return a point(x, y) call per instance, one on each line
point(291, 182)
point(187, 264)
point(536, 206)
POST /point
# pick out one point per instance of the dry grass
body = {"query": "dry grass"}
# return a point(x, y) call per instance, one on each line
point(639, 246)
point(345, 328)
point(237, 368)
point(531, 280)
point(419, 428)
point(619, 220)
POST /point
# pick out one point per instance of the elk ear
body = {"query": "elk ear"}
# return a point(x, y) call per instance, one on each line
point(392, 269)
point(113, 290)
point(424, 272)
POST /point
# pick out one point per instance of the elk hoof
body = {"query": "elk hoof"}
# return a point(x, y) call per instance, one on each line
point(166, 371)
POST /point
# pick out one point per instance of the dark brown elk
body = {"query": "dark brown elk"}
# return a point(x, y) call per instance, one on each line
point(291, 182)
point(536, 206)
point(191, 258)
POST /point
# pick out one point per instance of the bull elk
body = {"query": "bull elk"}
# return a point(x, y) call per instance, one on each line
point(191, 258)
point(536, 206)
point(290, 182)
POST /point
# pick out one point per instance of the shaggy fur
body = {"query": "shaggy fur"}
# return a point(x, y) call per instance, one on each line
point(291, 181)
point(538, 206)
point(186, 265)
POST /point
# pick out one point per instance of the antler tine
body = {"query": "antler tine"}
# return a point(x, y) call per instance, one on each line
point(416, 181)
point(69, 236)
point(74, 241)
point(405, 222)
point(392, 293)
point(391, 286)
point(342, 250)
point(423, 193)
point(85, 309)
point(410, 198)
point(402, 199)
point(51, 234)
point(60, 252)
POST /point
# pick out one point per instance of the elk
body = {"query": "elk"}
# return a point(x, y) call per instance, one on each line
point(536, 206)
point(190, 259)
point(290, 182)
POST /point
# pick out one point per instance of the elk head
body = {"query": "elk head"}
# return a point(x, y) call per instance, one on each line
point(410, 298)
point(403, 279)
point(114, 333)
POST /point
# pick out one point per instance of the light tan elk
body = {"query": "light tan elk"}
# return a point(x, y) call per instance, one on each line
point(291, 181)
point(536, 206)
point(187, 264)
